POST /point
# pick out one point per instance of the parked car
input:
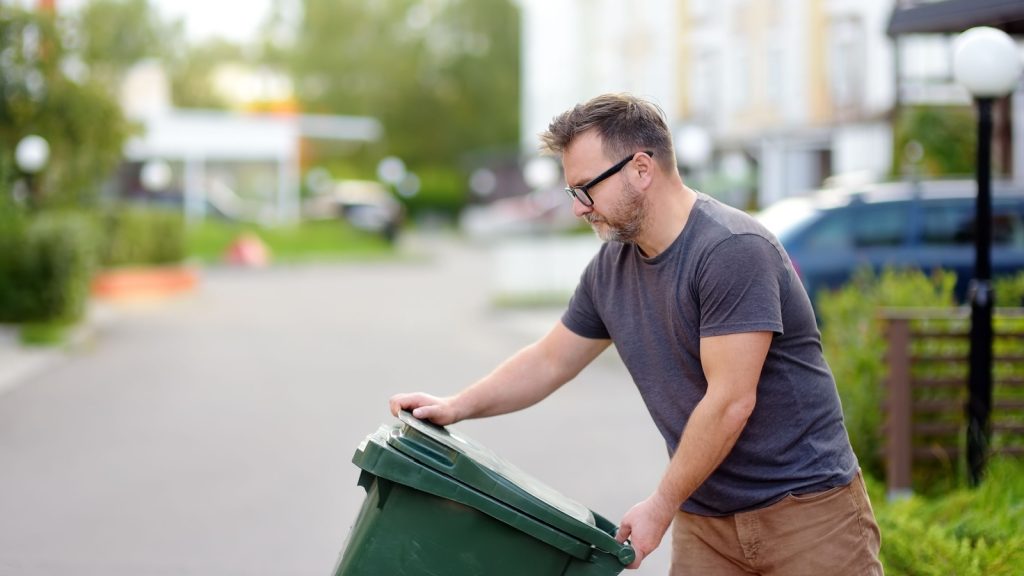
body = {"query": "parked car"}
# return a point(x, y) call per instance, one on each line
point(543, 211)
point(924, 225)
point(365, 204)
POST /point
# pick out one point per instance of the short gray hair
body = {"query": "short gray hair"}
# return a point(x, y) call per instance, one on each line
point(626, 124)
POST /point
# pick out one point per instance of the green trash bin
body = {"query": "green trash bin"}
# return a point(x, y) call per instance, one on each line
point(438, 503)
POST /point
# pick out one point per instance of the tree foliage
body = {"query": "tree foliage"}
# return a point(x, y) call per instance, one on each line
point(78, 116)
point(947, 138)
point(112, 35)
point(442, 76)
point(191, 71)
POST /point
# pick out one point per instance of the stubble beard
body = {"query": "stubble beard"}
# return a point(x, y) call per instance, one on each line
point(626, 220)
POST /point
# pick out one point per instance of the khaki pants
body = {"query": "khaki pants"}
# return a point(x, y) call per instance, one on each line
point(832, 532)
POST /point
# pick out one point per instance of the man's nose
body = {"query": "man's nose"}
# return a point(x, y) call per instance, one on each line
point(579, 209)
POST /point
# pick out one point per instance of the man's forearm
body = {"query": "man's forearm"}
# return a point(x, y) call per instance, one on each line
point(524, 379)
point(709, 436)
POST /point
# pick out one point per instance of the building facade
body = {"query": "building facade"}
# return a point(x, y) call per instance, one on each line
point(767, 98)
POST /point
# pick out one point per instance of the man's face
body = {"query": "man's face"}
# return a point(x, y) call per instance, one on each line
point(619, 210)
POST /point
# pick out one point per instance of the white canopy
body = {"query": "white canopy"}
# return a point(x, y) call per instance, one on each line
point(196, 137)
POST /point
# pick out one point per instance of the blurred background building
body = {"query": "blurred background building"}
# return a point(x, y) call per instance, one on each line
point(768, 98)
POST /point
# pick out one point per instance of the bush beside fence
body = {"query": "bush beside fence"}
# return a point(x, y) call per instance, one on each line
point(46, 264)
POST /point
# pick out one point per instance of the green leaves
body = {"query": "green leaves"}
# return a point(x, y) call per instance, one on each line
point(79, 117)
point(46, 264)
point(443, 77)
point(963, 533)
point(855, 346)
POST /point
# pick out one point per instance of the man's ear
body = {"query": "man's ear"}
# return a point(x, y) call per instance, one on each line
point(645, 168)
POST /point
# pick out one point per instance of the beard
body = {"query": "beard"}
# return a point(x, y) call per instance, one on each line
point(625, 221)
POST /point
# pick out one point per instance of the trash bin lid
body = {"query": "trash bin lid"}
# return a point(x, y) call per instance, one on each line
point(458, 456)
point(448, 464)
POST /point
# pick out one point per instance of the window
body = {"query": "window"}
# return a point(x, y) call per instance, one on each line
point(882, 224)
point(948, 224)
point(952, 223)
point(831, 233)
point(847, 52)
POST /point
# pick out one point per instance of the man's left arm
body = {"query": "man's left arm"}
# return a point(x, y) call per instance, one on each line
point(732, 365)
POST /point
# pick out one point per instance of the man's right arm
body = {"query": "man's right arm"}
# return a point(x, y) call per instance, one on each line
point(524, 379)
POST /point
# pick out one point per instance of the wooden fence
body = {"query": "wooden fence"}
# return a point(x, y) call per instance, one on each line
point(927, 389)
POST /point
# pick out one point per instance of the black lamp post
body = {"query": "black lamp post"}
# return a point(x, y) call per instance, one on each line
point(987, 63)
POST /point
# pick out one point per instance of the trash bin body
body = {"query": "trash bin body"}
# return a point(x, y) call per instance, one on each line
point(439, 504)
point(402, 531)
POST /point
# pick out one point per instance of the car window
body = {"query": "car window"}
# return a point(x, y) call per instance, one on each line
point(945, 224)
point(950, 224)
point(1007, 227)
point(832, 232)
point(787, 217)
point(860, 226)
point(883, 224)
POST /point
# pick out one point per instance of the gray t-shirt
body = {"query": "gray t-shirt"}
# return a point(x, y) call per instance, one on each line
point(724, 274)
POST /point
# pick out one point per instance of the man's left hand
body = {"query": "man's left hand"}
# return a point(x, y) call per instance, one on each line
point(644, 525)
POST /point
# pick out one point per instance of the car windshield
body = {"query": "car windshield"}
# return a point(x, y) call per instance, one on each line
point(786, 217)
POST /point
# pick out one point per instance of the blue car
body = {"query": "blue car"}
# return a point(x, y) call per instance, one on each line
point(924, 225)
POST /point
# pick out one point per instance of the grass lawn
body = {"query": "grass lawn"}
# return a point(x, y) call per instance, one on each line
point(207, 241)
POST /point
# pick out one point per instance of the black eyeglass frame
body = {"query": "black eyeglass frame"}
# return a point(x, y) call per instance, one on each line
point(582, 192)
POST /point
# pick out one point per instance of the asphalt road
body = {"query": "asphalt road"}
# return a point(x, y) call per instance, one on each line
point(212, 434)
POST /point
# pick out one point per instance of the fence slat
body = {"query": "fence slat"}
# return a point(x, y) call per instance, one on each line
point(925, 416)
point(898, 418)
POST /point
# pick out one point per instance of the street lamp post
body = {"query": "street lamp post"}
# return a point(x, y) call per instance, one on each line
point(31, 155)
point(987, 63)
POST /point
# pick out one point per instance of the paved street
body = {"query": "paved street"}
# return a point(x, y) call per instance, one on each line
point(212, 434)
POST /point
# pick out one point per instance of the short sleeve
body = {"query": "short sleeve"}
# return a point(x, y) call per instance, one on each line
point(739, 287)
point(582, 316)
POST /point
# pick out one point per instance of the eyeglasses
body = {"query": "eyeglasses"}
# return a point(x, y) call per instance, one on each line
point(582, 192)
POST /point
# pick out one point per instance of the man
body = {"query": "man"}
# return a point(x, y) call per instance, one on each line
point(708, 315)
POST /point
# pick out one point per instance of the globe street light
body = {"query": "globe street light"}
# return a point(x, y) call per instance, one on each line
point(986, 62)
point(156, 175)
point(31, 155)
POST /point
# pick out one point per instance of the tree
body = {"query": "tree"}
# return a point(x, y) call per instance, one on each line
point(442, 76)
point(946, 138)
point(191, 73)
point(112, 35)
point(78, 117)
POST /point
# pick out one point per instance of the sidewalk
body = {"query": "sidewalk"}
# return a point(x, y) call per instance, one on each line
point(19, 363)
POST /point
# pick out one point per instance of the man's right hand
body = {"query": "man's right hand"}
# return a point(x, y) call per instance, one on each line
point(440, 411)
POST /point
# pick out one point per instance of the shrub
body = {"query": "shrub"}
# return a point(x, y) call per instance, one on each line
point(946, 135)
point(855, 346)
point(46, 265)
point(141, 236)
point(1009, 290)
point(964, 532)
point(442, 192)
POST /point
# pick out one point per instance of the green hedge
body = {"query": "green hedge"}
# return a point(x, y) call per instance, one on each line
point(964, 532)
point(141, 236)
point(949, 530)
point(47, 259)
point(442, 192)
point(855, 346)
point(46, 264)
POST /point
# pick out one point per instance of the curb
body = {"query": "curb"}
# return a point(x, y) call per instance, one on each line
point(19, 363)
point(143, 282)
